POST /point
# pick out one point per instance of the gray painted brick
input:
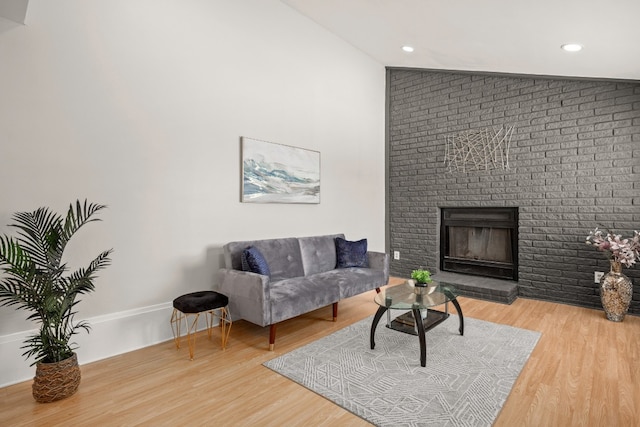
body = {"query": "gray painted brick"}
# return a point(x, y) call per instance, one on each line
point(574, 162)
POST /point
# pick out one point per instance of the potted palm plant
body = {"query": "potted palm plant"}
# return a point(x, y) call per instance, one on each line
point(33, 277)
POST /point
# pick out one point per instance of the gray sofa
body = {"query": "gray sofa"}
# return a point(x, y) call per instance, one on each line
point(303, 278)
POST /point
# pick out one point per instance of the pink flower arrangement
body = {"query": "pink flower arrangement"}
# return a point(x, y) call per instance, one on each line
point(624, 251)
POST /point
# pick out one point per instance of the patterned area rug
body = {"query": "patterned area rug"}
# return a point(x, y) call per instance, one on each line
point(465, 383)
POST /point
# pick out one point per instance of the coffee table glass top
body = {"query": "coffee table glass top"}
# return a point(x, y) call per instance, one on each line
point(407, 297)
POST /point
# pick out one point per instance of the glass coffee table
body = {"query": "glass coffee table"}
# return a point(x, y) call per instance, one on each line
point(422, 317)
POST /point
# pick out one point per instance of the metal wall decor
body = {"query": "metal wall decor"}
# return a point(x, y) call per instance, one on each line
point(475, 150)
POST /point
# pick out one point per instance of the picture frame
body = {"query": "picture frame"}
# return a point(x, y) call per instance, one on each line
point(278, 173)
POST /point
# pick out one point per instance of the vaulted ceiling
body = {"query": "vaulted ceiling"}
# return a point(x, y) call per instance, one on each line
point(506, 36)
point(14, 10)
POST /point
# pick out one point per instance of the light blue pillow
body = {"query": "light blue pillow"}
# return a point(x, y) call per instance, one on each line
point(351, 254)
point(253, 261)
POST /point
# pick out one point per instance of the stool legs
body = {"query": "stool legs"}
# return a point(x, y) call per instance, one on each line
point(225, 325)
point(176, 318)
point(176, 321)
point(191, 326)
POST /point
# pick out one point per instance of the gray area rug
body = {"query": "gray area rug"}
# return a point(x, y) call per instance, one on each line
point(465, 383)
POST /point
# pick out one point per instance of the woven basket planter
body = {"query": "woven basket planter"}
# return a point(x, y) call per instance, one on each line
point(55, 381)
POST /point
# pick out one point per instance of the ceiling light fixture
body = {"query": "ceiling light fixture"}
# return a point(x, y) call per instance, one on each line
point(572, 47)
point(407, 48)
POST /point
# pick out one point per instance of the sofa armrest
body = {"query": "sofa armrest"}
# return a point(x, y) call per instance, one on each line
point(248, 295)
point(379, 261)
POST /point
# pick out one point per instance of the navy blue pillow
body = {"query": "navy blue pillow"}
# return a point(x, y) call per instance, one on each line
point(253, 261)
point(351, 254)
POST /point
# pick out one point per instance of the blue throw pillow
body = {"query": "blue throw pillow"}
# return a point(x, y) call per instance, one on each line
point(351, 254)
point(253, 261)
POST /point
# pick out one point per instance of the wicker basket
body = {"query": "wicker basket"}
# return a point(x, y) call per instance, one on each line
point(55, 381)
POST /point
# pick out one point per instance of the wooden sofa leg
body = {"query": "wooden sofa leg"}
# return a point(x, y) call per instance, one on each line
point(272, 337)
point(335, 311)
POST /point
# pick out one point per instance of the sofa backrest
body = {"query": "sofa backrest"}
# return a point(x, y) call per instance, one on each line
point(318, 253)
point(288, 257)
point(282, 255)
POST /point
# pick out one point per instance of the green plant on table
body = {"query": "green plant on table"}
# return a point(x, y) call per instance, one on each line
point(32, 277)
point(421, 276)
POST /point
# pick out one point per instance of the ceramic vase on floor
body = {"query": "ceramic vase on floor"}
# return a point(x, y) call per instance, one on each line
point(615, 293)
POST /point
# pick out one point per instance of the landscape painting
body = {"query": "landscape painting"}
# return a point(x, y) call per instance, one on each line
point(276, 173)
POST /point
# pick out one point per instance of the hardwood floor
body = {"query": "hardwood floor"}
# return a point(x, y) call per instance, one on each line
point(585, 371)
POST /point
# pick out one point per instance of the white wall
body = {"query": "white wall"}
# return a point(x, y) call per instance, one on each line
point(141, 105)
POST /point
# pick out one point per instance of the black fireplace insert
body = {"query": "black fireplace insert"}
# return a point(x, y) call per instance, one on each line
point(480, 241)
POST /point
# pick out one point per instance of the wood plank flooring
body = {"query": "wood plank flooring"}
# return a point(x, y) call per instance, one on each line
point(585, 371)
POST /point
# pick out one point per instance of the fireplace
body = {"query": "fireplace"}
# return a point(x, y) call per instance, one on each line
point(480, 241)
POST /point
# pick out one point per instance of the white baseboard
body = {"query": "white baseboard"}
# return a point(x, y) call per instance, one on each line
point(110, 335)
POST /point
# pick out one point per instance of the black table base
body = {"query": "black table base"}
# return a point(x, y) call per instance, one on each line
point(406, 323)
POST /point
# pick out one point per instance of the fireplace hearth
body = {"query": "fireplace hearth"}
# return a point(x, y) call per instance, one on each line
point(480, 241)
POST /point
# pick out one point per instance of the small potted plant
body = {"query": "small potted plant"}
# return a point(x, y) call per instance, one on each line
point(422, 277)
point(423, 282)
point(33, 277)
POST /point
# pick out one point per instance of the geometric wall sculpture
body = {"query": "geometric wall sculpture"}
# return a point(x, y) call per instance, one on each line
point(475, 150)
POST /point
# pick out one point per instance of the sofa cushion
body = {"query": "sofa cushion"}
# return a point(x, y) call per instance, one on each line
point(282, 256)
point(351, 254)
point(292, 297)
point(350, 281)
point(253, 261)
point(318, 253)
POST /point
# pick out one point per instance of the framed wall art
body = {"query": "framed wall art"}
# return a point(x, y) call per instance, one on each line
point(277, 173)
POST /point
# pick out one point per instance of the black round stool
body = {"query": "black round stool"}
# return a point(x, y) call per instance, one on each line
point(209, 302)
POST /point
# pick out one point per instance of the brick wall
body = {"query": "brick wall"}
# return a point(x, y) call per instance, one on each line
point(574, 164)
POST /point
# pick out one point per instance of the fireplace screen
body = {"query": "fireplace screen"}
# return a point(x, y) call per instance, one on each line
point(480, 241)
point(487, 243)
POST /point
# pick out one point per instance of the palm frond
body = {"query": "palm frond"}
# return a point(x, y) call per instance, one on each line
point(81, 280)
point(39, 233)
point(11, 254)
point(82, 215)
point(14, 291)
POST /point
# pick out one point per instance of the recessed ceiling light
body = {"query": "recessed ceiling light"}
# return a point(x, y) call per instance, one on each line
point(572, 47)
point(407, 48)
